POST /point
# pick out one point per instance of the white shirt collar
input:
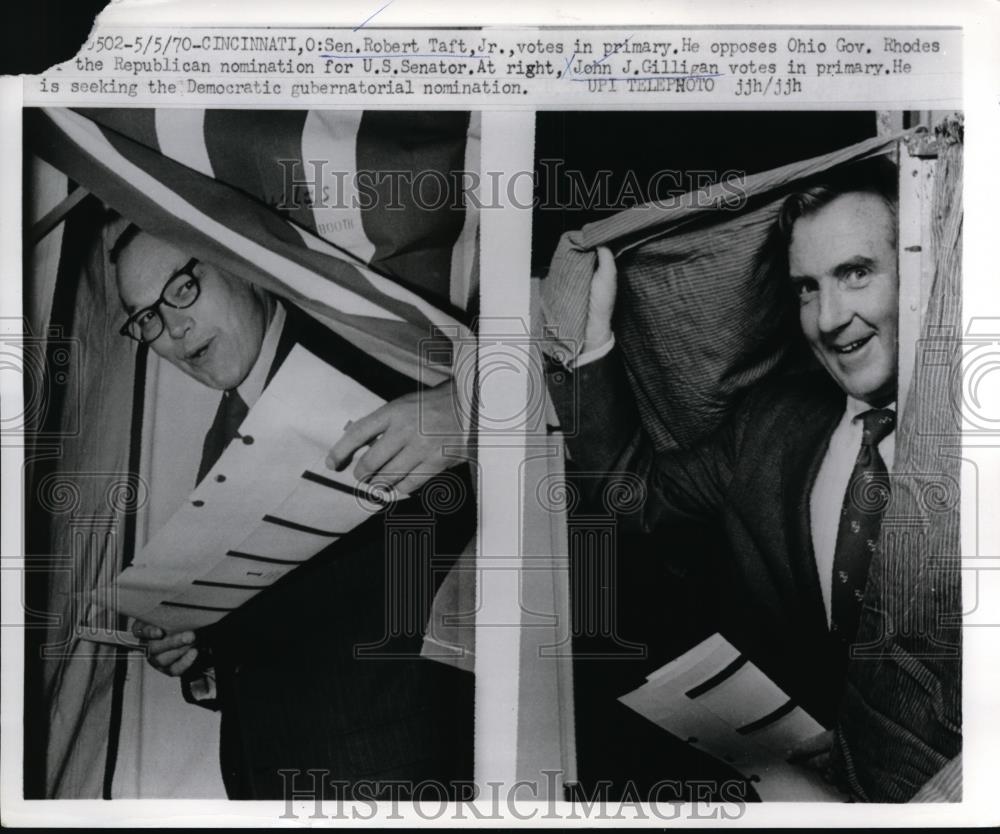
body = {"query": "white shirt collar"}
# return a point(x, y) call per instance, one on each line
point(855, 408)
point(252, 387)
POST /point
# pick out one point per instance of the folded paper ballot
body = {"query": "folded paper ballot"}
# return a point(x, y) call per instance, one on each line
point(268, 505)
point(714, 698)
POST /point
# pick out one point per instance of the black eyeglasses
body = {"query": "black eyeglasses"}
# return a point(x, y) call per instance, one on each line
point(181, 291)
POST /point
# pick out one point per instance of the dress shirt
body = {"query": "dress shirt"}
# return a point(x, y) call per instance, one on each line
point(828, 491)
point(593, 354)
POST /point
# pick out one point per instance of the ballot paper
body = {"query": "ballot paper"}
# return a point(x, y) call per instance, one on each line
point(714, 698)
point(268, 505)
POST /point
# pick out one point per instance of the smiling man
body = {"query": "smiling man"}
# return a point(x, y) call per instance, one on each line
point(792, 475)
point(842, 266)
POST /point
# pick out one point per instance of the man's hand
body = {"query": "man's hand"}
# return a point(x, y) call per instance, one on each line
point(603, 289)
point(407, 438)
point(171, 654)
point(815, 753)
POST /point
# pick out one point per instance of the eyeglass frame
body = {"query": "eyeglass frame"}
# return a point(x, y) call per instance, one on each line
point(187, 269)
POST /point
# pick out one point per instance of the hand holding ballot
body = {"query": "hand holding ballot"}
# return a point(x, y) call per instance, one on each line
point(240, 533)
point(409, 438)
point(412, 438)
point(717, 700)
point(172, 654)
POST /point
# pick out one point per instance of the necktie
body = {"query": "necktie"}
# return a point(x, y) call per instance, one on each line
point(228, 417)
point(232, 411)
point(860, 521)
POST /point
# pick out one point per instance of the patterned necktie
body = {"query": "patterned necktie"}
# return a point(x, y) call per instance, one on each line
point(860, 521)
point(232, 411)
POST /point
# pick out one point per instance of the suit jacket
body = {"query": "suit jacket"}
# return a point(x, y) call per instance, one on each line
point(322, 671)
point(754, 477)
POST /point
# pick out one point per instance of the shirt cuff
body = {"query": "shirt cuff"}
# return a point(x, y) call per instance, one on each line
point(593, 354)
point(203, 688)
point(198, 684)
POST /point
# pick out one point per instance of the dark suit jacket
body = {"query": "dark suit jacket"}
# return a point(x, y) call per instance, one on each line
point(322, 671)
point(754, 477)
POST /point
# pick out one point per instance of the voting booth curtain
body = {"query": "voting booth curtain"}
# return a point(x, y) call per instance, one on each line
point(703, 314)
point(358, 218)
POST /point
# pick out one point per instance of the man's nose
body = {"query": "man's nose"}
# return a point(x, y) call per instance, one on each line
point(177, 322)
point(834, 308)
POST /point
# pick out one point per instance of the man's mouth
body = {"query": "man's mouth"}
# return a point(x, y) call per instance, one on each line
point(199, 352)
point(852, 347)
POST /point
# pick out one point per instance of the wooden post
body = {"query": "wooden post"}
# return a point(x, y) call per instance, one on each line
point(917, 162)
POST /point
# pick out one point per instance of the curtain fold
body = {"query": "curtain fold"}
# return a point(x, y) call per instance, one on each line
point(79, 494)
point(901, 720)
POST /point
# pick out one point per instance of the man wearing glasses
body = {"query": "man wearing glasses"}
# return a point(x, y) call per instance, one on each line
point(294, 693)
point(218, 343)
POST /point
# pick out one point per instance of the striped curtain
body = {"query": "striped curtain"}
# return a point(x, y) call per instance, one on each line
point(697, 318)
point(359, 218)
point(900, 726)
point(260, 195)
